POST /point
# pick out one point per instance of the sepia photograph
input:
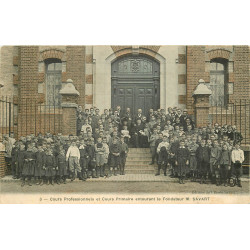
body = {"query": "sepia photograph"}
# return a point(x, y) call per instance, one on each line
point(124, 124)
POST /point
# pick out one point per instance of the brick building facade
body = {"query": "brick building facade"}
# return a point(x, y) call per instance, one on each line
point(28, 74)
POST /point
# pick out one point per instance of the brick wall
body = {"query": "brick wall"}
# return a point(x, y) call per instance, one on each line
point(195, 71)
point(75, 68)
point(2, 165)
point(241, 73)
point(28, 86)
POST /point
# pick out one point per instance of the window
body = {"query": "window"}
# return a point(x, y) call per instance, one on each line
point(53, 81)
point(218, 82)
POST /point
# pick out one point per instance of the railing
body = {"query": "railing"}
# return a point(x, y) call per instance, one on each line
point(29, 117)
point(8, 114)
point(235, 114)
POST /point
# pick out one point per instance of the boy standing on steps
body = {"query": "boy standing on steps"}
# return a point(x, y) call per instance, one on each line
point(115, 151)
point(152, 141)
point(124, 152)
point(162, 150)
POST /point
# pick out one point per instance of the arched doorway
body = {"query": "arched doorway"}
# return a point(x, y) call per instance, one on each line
point(135, 83)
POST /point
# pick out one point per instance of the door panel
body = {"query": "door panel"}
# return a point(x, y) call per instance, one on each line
point(134, 81)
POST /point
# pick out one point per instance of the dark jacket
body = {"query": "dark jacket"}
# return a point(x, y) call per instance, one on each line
point(203, 154)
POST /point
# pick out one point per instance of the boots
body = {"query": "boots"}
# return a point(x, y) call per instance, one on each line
point(217, 182)
point(158, 171)
point(152, 162)
point(115, 171)
point(94, 173)
point(29, 182)
point(72, 176)
point(202, 180)
point(64, 180)
point(225, 183)
point(52, 181)
point(110, 172)
point(41, 182)
point(180, 180)
point(239, 183)
point(23, 183)
point(102, 171)
point(122, 170)
point(36, 181)
point(58, 180)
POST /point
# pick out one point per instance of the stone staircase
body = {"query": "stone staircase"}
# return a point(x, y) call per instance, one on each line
point(138, 160)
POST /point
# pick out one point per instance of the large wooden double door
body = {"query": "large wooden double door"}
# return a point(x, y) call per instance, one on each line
point(136, 83)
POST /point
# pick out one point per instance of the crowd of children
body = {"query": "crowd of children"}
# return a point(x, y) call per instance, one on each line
point(103, 140)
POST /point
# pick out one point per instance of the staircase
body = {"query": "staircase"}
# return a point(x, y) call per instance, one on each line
point(138, 160)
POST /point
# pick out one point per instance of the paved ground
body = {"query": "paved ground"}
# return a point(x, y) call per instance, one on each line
point(123, 184)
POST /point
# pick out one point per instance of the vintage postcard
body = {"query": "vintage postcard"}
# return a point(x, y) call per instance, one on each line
point(124, 124)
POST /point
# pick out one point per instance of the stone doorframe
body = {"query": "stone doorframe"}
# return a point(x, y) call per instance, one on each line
point(163, 86)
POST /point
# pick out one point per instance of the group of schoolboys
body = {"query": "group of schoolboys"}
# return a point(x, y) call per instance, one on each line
point(101, 147)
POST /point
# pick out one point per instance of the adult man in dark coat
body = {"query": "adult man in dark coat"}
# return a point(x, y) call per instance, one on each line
point(128, 117)
point(137, 133)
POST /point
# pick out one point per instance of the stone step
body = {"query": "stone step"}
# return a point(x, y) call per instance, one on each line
point(141, 158)
point(139, 155)
point(136, 161)
point(139, 150)
point(138, 165)
point(139, 171)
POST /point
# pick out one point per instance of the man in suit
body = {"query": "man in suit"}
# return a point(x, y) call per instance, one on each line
point(137, 133)
point(138, 115)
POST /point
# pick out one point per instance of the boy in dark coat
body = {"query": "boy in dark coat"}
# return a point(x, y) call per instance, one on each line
point(90, 159)
point(83, 160)
point(28, 166)
point(115, 151)
point(124, 152)
point(182, 161)
point(203, 156)
point(215, 153)
point(14, 154)
point(39, 172)
point(62, 166)
point(20, 160)
point(225, 164)
point(50, 167)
